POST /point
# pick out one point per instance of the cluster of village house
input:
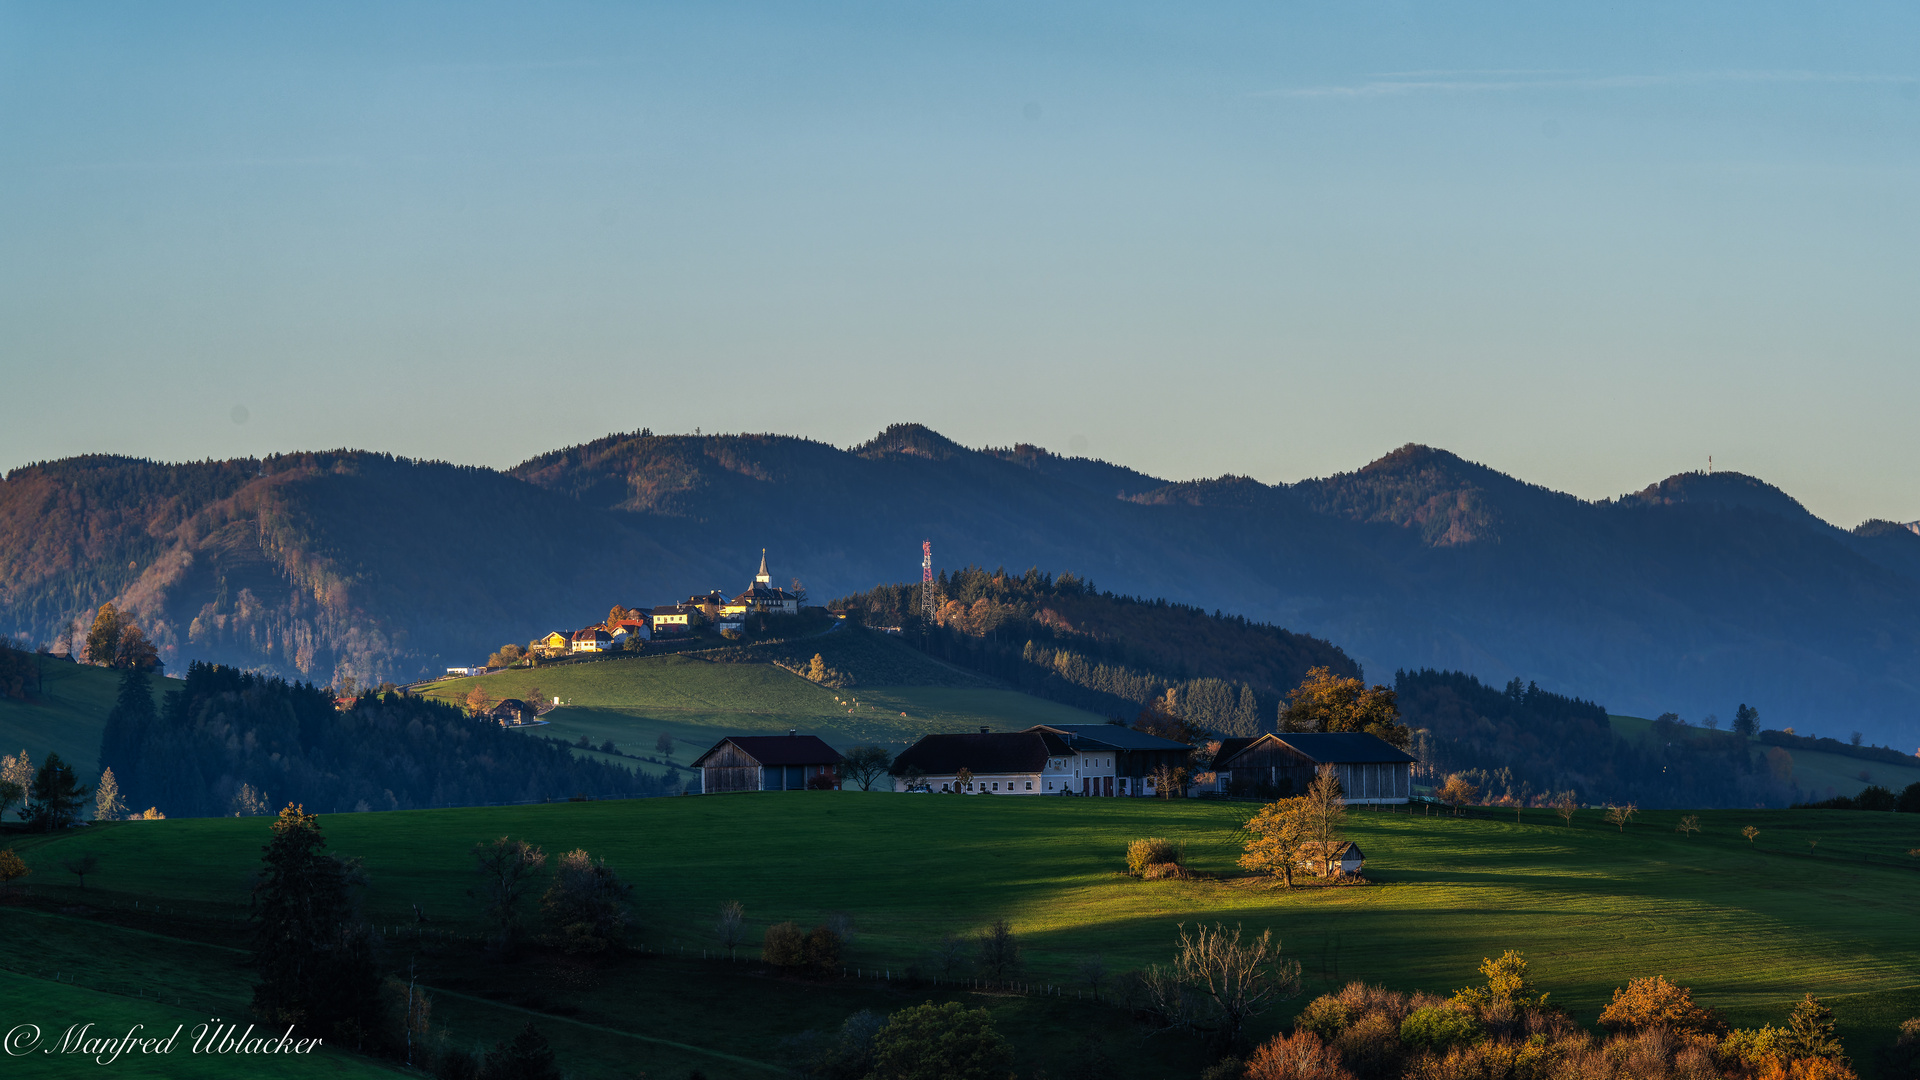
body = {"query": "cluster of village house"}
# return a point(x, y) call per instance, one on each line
point(762, 597)
point(1070, 759)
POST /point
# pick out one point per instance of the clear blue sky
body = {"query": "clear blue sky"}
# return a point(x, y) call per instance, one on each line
point(1587, 244)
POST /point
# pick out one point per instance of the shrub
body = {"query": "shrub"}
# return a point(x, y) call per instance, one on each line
point(1154, 851)
point(1300, 1056)
point(1909, 800)
point(1325, 1016)
point(1875, 797)
point(940, 1042)
point(1752, 1048)
point(1654, 1002)
point(1160, 871)
point(822, 949)
point(785, 945)
point(1437, 1027)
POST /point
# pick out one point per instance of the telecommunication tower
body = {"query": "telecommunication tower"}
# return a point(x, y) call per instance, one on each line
point(926, 580)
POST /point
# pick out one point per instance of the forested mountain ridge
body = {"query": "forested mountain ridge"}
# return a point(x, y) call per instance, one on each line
point(1692, 595)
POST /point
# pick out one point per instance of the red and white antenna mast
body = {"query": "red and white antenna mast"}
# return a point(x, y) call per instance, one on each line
point(926, 581)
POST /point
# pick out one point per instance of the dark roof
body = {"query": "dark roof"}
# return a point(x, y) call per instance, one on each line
point(762, 592)
point(672, 609)
point(1331, 747)
point(780, 749)
point(983, 753)
point(591, 633)
point(512, 705)
point(1230, 747)
point(1111, 735)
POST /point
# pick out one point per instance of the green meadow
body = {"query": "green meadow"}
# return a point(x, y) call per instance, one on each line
point(67, 718)
point(695, 701)
point(1819, 901)
point(1821, 775)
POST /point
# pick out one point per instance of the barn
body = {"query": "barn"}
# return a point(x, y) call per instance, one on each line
point(790, 762)
point(1371, 770)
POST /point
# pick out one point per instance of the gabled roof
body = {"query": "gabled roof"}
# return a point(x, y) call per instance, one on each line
point(1328, 748)
point(591, 633)
point(666, 610)
point(762, 592)
point(1230, 747)
point(986, 753)
point(1109, 736)
point(779, 750)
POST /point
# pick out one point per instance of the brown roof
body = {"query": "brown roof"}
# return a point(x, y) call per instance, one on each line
point(591, 633)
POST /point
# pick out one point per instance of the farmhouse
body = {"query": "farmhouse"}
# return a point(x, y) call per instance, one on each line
point(1370, 769)
point(556, 641)
point(1060, 759)
point(995, 763)
point(591, 640)
point(670, 620)
point(513, 711)
point(790, 762)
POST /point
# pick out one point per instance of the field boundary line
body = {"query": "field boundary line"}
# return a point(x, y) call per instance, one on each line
point(721, 1054)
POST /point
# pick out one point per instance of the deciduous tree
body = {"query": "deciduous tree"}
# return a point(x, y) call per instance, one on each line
point(1750, 832)
point(526, 1056)
point(106, 799)
point(586, 906)
point(103, 637)
point(1689, 824)
point(1277, 833)
point(730, 927)
point(1621, 816)
point(12, 868)
point(940, 1042)
point(1328, 702)
point(1566, 806)
point(866, 764)
point(999, 958)
point(81, 865)
point(1326, 808)
point(509, 872)
point(1457, 792)
point(1226, 980)
point(1653, 1002)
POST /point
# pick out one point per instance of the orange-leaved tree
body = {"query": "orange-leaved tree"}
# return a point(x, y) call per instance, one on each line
point(1328, 702)
point(1653, 1002)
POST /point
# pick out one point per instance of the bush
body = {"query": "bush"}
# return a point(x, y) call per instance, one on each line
point(1300, 1056)
point(1160, 871)
point(1437, 1027)
point(1875, 797)
point(1654, 1002)
point(822, 950)
point(1909, 800)
point(1325, 1016)
point(785, 945)
point(457, 1065)
point(940, 1042)
point(1154, 851)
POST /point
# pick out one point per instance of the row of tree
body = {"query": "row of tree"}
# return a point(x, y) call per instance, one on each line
point(225, 740)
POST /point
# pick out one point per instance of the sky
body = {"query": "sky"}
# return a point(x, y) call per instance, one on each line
point(1586, 244)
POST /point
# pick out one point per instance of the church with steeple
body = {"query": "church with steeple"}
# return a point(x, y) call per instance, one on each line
point(763, 597)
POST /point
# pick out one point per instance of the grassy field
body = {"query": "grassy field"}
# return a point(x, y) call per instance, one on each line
point(1820, 775)
point(68, 717)
point(1750, 926)
point(695, 701)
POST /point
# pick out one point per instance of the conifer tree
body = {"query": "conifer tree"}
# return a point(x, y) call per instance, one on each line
point(106, 799)
point(315, 962)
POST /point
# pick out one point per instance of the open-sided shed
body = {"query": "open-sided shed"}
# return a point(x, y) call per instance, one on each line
point(790, 762)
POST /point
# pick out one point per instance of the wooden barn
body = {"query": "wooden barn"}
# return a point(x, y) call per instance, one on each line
point(790, 762)
point(1343, 858)
point(1371, 770)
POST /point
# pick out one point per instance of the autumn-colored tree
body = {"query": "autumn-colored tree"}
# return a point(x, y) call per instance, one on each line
point(508, 656)
point(1509, 984)
point(1750, 832)
point(1300, 1056)
point(1158, 719)
point(1328, 702)
point(1653, 1002)
point(12, 868)
point(1457, 792)
point(134, 652)
point(962, 779)
point(106, 799)
point(1621, 815)
point(1689, 825)
point(103, 638)
point(617, 614)
point(1276, 835)
point(479, 702)
point(1566, 806)
point(1326, 809)
point(817, 668)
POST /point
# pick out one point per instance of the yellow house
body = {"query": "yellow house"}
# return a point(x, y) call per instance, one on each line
point(555, 642)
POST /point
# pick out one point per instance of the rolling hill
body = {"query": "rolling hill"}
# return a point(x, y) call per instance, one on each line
point(1749, 925)
point(1693, 595)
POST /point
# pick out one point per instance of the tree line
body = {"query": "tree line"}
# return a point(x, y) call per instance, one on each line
point(234, 742)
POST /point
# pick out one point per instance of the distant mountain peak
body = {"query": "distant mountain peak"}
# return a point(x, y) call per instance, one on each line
point(914, 440)
point(1723, 489)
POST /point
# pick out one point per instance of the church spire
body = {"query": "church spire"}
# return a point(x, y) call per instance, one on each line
point(763, 578)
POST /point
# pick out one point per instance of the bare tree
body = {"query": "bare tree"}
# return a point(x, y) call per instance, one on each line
point(999, 952)
point(866, 764)
point(1218, 981)
point(731, 927)
point(1621, 816)
point(1326, 807)
point(1565, 806)
point(840, 925)
point(950, 955)
point(1093, 972)
point(81, 865)
point(509, 872)
point(1688, 825)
